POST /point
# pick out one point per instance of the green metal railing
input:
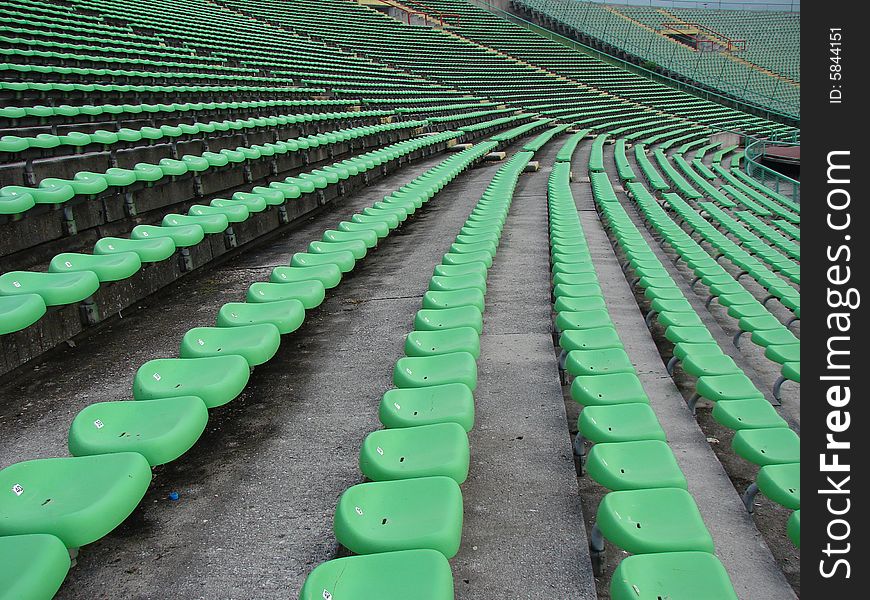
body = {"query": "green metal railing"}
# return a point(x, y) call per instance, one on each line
point(772, 179)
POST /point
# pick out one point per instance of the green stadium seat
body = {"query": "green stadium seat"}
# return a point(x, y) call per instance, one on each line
point(286, 315)
point(406, 514)
point(256, 343)
point(32, 566)
point(774, 446)
point(310, 293)
point(779, 482)
point(671, 575)
point(448, 318)
point(160, 430)
point(78, 499)
point(107, 267)
point(602, 390)
point(215, 379)
point(472, 296)
point(632, 465)
point(443, 341)
point(423, 451)
point(56, 289)
point(149, 250)
point(20, 312)
point(329, 275)
point(422, 574)
point(415, 372)
point(411, 407)
point(652, 520)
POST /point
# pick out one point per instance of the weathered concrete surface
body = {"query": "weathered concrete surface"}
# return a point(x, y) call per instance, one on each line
point(523, 536)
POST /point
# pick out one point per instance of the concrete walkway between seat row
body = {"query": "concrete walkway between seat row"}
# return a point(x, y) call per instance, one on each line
point(523, 536)
point(741, 548)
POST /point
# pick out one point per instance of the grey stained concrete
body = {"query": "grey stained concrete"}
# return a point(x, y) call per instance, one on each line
point(523, 536)
point(741, 548)
point(258, 491)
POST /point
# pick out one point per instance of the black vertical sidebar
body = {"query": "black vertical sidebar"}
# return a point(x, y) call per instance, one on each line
point(835, 430)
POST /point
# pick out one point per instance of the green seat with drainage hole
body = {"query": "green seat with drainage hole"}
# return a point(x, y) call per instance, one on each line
point(286, 315)
point(750, 413)
point(20, 312)
point(619, 423)
point(257, 343)
point(470, 268)
point(458, 367)
point(183, 235)
point(422, 574)
point(783, 353)
point(577, 291)
point(455, 258)
point(380, 228)
point(440, 283)
point(434, 319)
point(452, 299)
point(215, 379)
point(735, 386)
point(589, 339)
point(329, 275)
point(107, 267)
point(692, 334)
point(793, 528)
point(574, 278)
point(411, 407)
point(355, 247)
point(32, 567)
point(710, 364)
point(584, 319)
point(567, 303)
point(773, 446)
point(160, 430)
point(598, 362)
point(56, 289)
point(78, 499)
point(344, 260)
point(671, 576)
point(634, 465)
point(781, 483)
point(369, 238)
point(382, 516)
point(443, 341)
point(653, 520)
point(615, 388)
point(150, 250)
point(233, 214)
point(375, 216)
point(209, 223)
point(424, 451)
point(310, 293)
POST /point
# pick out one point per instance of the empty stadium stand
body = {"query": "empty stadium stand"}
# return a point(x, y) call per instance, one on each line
point(312, 298)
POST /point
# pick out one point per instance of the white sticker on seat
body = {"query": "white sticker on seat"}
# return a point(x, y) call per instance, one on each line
point(98, 424)
point(157, 377)
point(17, 489)
point(359, 511)
point(327, 595)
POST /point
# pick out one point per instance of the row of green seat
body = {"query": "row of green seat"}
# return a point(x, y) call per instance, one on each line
point(106, 139)
point(74, 277)
point(648, 512)
point(60, 503)
point(762, 437)
point(66, 111)
point(15, 200)
point(406, 522)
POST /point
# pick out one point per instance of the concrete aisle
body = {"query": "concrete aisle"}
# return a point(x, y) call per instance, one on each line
point(741, 548)
point(523, 536)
